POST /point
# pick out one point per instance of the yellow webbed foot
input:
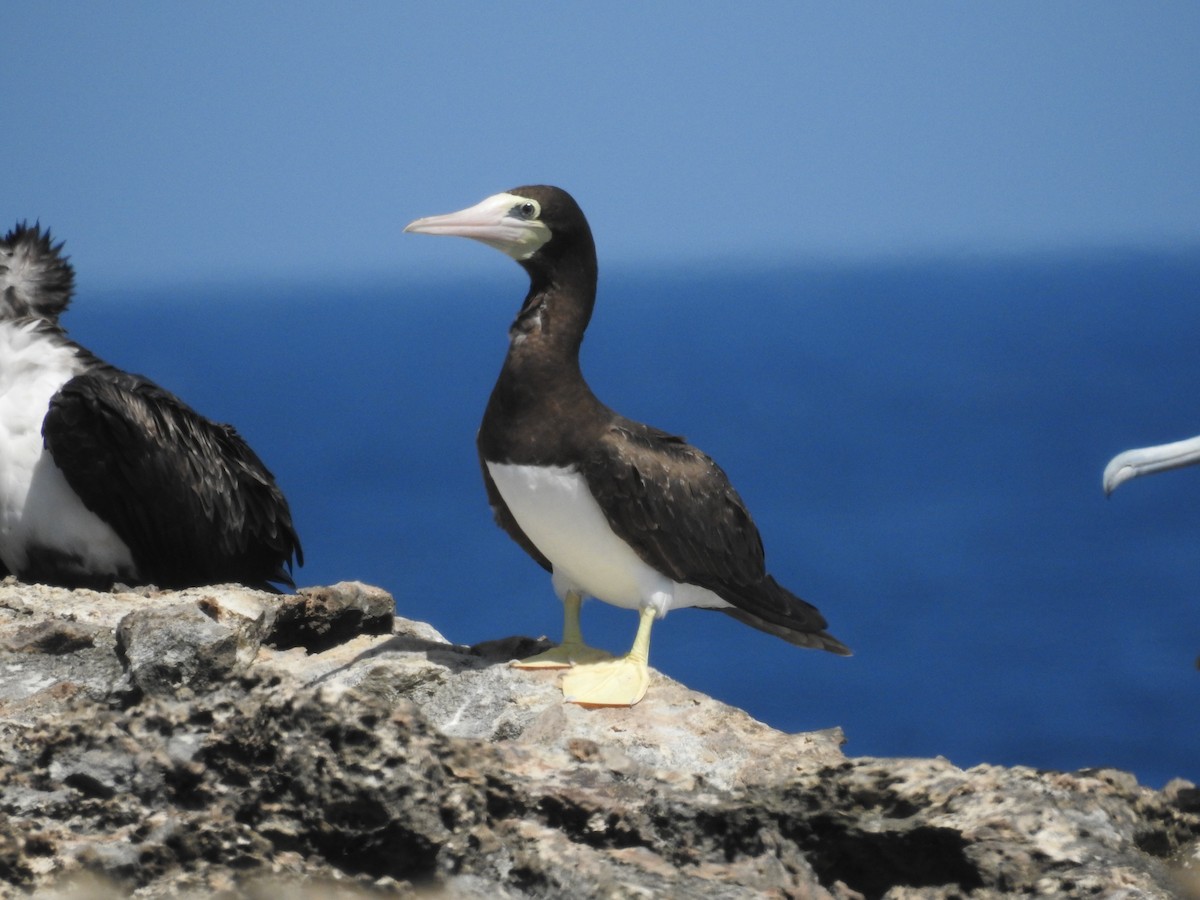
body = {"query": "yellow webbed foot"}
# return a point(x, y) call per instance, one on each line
point(617, 682)
point(565, 655)
point(572, 651)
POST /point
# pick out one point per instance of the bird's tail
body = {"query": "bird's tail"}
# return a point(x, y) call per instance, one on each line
point(35, 277)
point(776, 610)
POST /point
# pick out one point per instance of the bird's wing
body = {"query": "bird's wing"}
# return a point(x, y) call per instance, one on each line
point(504, 518)
point(190, 498)
point(676, 508)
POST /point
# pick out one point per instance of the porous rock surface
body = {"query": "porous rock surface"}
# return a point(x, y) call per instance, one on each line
point(221, 742)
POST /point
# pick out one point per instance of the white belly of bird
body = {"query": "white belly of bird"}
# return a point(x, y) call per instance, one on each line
point(557, 511)
point(37, 506)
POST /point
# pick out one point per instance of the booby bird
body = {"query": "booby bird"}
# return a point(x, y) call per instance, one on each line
point(1148, 460)
point(612, 508)
point(104, 476)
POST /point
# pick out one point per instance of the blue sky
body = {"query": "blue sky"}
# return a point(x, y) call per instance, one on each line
point(174, 142)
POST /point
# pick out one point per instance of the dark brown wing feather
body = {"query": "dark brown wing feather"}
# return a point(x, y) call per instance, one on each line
point(678, 511)
point(192, 501)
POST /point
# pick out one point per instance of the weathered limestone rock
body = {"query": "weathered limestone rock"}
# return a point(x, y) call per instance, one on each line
point(318, 618)
point(226, 742)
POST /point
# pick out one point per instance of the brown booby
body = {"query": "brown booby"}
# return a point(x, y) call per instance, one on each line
point(612, 508)
point(105, 477)
point(1148, 460)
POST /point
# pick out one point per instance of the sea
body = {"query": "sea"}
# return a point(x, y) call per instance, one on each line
point(920, 442)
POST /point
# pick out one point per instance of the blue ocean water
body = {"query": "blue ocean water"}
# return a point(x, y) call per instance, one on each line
point(921, 444)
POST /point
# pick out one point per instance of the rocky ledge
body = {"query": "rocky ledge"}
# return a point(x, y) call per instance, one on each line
point(221, 742)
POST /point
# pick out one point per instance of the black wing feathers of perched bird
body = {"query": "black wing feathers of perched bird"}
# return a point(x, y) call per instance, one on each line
point(122, 443)
point(676, 508)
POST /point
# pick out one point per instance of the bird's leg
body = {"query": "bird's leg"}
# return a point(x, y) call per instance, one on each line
point(572, 650)
point(615, 682)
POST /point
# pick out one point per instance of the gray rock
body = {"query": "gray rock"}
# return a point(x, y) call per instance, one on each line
point(318, 618)
point(176, 645)
point(225, 742)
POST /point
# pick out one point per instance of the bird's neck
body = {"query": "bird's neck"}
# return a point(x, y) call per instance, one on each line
point(541, 379)
point(555, 314)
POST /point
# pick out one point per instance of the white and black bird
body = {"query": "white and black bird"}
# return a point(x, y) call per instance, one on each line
point(1148, 460)
point(105, 477)
point(614, 509)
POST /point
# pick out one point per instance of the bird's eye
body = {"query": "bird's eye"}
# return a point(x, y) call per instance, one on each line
point(526, 210)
